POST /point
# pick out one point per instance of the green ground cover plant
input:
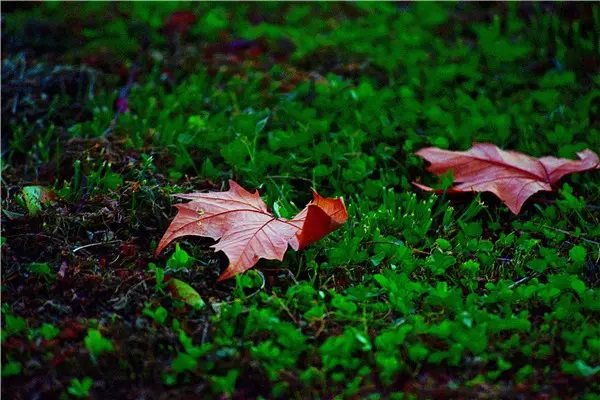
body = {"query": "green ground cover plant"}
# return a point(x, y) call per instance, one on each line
point(108, 109)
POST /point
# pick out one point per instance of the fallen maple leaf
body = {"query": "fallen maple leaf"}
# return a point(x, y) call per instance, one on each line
point(510, 175)
point(247, 230)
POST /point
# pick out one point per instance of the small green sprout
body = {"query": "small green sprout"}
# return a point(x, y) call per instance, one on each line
point(159, 315)
point(41, 270)
point(96, 344)
point(180, 259)
point(80, 389)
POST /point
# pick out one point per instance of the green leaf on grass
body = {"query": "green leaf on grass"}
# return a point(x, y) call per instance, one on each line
point(578, 254)
point(184, 362)
point(34, 197)
point(11, 368)
point(96, 344)
point(186, 293)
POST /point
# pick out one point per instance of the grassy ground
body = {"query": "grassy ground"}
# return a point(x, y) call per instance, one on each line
point(417, 296)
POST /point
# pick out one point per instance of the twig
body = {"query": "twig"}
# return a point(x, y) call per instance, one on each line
point(205, 332)
point(92, 78)
point(588, 206)
point(287, 310)
point(95, 244)
point(289, 273)
point(42, 235)
point(262, 285)
point(520, 281)
point(122, 301)
point(380, 242)
point(21, 75)
point(568, 233)
point(289, 177)
point(122, 102)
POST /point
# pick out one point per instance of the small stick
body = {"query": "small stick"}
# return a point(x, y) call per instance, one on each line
point(122, 99)
point(262, 285)
point(568, 233)
point(520, 281)
point(95, 244)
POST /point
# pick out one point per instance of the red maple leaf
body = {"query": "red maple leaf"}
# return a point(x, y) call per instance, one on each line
point(246, 230)
point(510, 175)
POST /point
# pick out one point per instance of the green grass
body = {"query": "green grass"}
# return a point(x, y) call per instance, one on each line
point(416, 296)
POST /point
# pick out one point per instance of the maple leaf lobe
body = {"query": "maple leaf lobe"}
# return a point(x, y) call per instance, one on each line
point(319, 218)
